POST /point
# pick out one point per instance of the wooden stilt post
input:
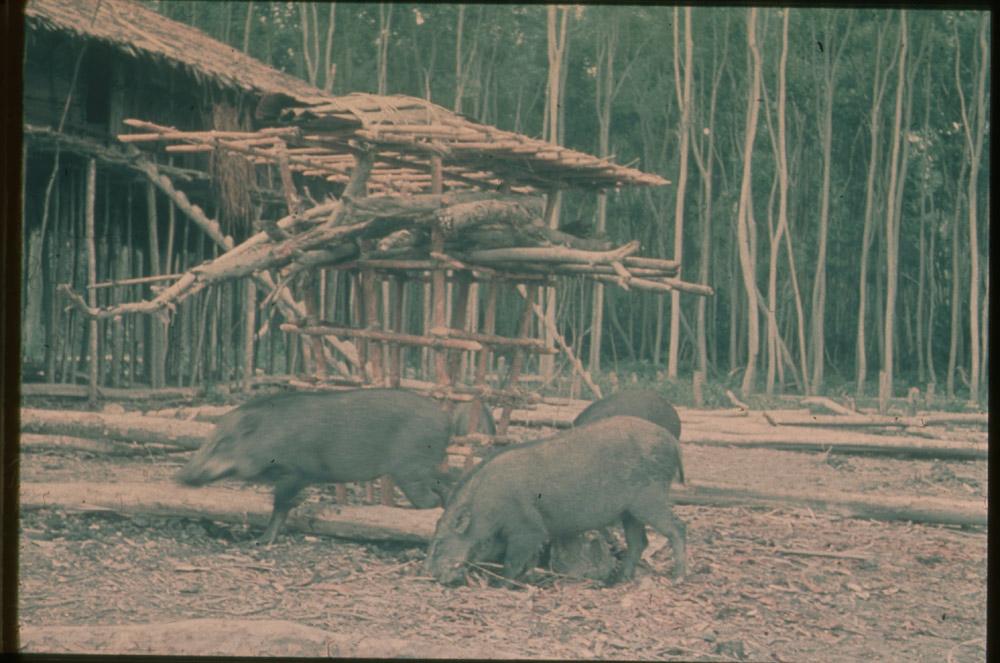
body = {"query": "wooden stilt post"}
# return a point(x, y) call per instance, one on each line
point(94, 360)
point(156, 328)
point(517, 363)
point(395, 319)
point(249, 330)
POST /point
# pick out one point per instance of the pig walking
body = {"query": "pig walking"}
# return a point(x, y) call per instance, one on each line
point(293, 440)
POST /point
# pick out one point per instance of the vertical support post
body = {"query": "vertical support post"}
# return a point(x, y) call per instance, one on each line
point(489, 325)
point(439, 312)
point(374, 351)
point(395, 318)
point(92, 277)
point(460, 298)
point(311, 297)
point(517, 363)
point(248, 335)
point(155, 339)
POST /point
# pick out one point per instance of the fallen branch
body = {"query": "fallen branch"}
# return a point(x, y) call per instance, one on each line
point(822, 553)
point(560, 341)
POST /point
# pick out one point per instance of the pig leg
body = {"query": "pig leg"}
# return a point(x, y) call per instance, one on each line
point(522, 552)
point(663, 520)
point(286, 496)
point(635, 543)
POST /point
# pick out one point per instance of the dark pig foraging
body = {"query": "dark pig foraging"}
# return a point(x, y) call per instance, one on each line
point(460, 419)
point(615, 470)
point(643, 403)
point(293, 440)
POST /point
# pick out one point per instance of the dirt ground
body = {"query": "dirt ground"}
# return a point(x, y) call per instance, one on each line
point(758, 587)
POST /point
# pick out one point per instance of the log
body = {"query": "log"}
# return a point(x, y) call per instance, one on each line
point(229, 636)
point(829, 404)
point(820, 440)
point(510, 209)
point(236, 506)
point(929, 510)
point(862, 421)
point(203, 413)
point(34, 442)
point(59, 390)
point(380, 523)
point(126, 427)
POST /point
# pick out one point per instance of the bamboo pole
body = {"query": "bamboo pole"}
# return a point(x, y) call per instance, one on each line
point(460, 299)
point(248, 335)
point(92, 276)
point(387, 336)
point(156, 328)
point(523, 328)
point(373, 352)
point(438, 294)
point(395, 320)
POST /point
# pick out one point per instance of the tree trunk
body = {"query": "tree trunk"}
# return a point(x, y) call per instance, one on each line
point(891, 217)
point(384, 27)
point(879, 85)
point(956, 271)
point(684, 99)
point(974, 148)
point(745, 214)
point(831, 61)
point(248, 27)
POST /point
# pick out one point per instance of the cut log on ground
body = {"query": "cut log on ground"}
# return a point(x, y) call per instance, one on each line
point(930, 510)
point(204, 413)
point(875, 421)
point(33, 442)
point(380, 523)
point(125, 427)
point(58, 390)
point(231, 637)
point(820, 440)
point(235, 506)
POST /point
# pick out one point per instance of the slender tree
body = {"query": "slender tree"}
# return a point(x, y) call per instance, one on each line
point(704, 160)
point(879, 86)
point(973, 150)
point(684, 138)
point(744, 216)
point(891, 218)
point(833, 47)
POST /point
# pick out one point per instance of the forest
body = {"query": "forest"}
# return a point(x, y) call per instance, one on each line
point(828, 170)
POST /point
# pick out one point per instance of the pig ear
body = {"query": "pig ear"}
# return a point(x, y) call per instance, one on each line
point(462, 521)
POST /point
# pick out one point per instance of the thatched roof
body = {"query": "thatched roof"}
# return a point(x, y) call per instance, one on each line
point(140, 31)
point(404, 131)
